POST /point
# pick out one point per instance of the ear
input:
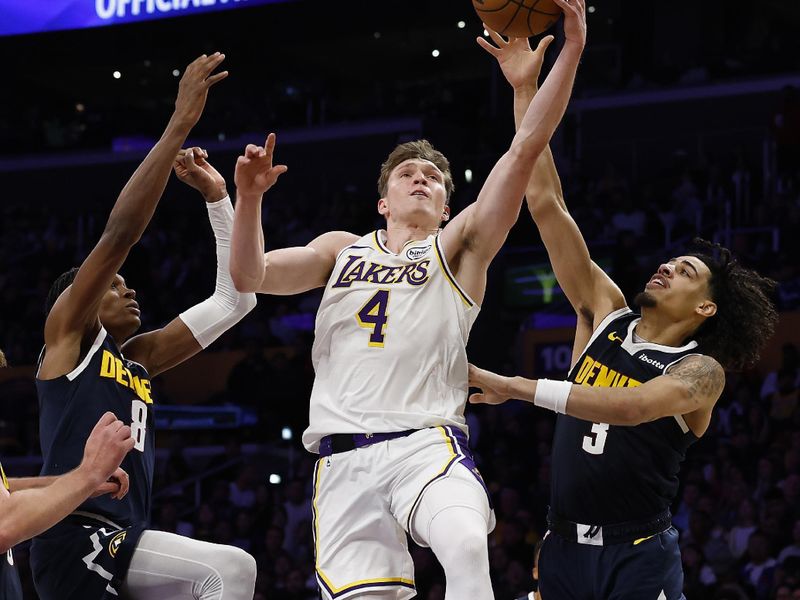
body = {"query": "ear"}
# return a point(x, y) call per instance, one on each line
point(446, 213)
point(383, 207)
point(707, 309)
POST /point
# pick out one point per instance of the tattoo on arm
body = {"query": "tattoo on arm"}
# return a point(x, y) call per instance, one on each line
point(703, 377)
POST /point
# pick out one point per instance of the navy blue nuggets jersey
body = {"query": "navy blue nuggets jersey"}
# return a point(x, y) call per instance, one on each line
point(604, 474)
point(10, 586)
point(70, 407)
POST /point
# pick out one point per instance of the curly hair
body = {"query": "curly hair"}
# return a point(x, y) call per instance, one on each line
point(745, 318)
point(61, 283)
point(421, 149)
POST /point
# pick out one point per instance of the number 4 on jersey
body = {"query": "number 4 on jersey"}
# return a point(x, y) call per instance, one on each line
point(373, 315)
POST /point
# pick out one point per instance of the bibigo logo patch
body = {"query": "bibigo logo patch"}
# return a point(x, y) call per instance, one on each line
point(418, 252)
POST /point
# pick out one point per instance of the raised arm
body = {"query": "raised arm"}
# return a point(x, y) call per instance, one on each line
point(481, 228)
point(284, 271)
point(198, 327)
point(690, 388)
point(590, 291)
point(75, 313)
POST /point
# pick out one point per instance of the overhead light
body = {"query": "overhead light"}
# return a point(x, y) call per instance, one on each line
point(117, 74)
point(435, 53)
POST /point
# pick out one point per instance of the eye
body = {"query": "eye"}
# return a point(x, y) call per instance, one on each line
point(434, 177)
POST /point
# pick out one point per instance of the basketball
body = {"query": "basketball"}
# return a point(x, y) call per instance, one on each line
point(518, 18)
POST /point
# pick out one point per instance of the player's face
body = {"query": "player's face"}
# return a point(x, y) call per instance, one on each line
point(680, 288)
point(119, 311)
point(415, 192)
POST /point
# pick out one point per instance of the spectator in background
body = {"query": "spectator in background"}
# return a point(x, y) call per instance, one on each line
point(792, 549)
point(759, 570)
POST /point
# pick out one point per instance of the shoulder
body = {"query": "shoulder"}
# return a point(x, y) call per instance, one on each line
point(702, 375)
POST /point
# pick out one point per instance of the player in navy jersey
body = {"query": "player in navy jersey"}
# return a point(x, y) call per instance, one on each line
point(29, 505)
point(641, 389)
point(92, 363)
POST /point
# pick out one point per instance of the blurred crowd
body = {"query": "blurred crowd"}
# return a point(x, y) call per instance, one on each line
point(738, 509)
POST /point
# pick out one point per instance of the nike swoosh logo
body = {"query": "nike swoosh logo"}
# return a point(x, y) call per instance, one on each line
point(614, 337)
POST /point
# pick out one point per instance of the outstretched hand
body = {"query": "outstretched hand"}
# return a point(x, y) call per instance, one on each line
point(574, 20)
point(192, 167)
point(495, 388)
point(521, 66)
point(194, 85)
point(255, 173)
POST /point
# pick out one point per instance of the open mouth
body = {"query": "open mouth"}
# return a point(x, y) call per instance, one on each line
point(658, 281)
point(420, 193)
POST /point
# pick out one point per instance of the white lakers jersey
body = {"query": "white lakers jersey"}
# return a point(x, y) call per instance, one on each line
point(390, 342)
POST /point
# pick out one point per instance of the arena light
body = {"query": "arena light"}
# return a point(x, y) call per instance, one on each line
point(286, 433)
point(461, 24)
point(116, 75)
point(435, 53)
point(274, 479)
point(468, 175)
point(176, 72)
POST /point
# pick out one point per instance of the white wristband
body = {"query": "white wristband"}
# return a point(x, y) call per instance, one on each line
point(552, 395)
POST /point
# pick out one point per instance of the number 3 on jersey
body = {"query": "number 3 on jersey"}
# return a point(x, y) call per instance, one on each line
point(373, 315)
point(138, 423)
point(595, 444)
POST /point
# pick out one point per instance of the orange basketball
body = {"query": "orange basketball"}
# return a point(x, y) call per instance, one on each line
point(518, 18)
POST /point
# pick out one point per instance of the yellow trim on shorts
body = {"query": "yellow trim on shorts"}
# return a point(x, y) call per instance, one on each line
point(449, 445)
point(644, 539)
point(327, 581)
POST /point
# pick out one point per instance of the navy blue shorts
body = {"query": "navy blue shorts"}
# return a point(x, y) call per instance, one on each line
point(82, 558)
point(648, 569)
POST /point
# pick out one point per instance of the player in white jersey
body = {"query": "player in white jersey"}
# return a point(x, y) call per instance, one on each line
point(391, 370)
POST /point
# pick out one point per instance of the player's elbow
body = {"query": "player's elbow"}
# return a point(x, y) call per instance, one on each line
point(119, 238)
point(243, 284)
point(633, 412)
point(9, 536)
point(544, 205)
point(526, 150)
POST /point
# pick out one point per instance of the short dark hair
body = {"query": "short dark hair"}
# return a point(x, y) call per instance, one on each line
point(745, 318)
point(421, 149)
point(61, 283)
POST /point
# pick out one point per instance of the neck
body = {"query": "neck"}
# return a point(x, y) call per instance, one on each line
point(398, 236)
point(660, 329)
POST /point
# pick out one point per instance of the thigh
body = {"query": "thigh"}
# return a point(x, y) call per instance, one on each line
point(360, 548)
point(566, 569)
point(82, 560)
point(460, 489)
point(648, 569)
point(167, 566)
point(416, 464)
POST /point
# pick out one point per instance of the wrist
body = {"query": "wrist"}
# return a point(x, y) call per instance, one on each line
point(248, 197)
point(552, 395)
point(179, 125)
point(215, 195)
point(526, 90)
point(88, 479)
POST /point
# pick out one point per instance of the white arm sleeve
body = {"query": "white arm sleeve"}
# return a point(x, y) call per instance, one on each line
point(215, 315)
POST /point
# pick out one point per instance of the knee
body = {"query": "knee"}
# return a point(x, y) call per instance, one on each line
point(472, 544)
point(236, 565)
point(464, 545)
